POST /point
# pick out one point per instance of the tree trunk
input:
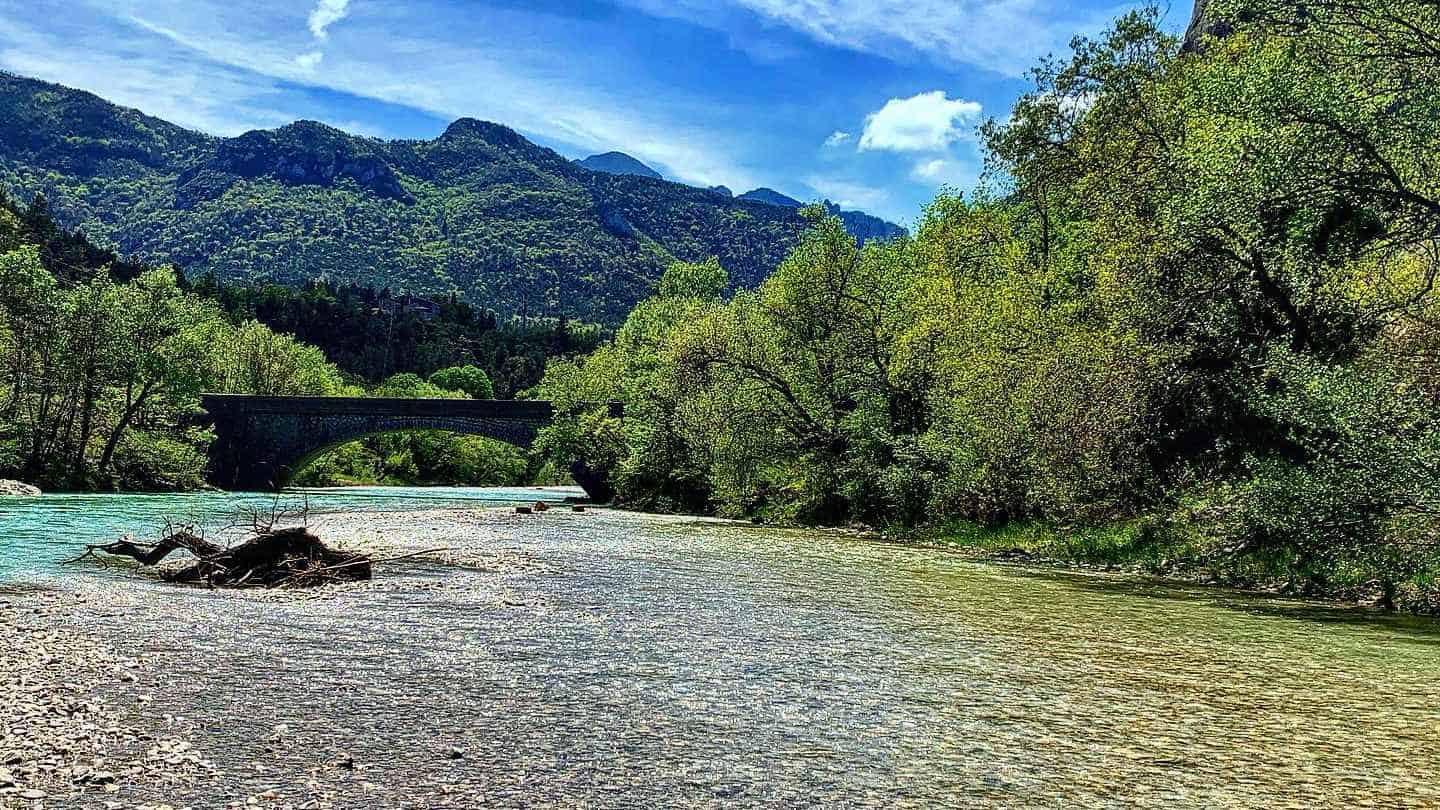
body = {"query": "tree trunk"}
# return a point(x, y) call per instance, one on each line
point(120, 427)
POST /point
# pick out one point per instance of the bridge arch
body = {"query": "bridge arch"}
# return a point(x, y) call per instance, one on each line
point(262, 442)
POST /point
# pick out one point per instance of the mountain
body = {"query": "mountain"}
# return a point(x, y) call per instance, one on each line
point(861, 225)
point(770, 196)
point(865, 227)
point(478, 211)
point(1203, 21)
point(619, 163)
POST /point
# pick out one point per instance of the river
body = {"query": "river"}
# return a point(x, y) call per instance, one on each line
point(609, 659)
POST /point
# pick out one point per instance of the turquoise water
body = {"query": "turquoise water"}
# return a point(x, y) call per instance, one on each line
point(607, 659)
point(38, 534)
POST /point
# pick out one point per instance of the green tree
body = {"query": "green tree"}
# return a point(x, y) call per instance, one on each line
point(467, 379)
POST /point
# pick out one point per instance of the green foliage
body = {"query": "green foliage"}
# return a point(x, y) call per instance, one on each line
point(423, 457)
point(373, 334)
point(161, 461)
point(420, 458)
point(104, 365)
point(412, 386)
point(479, 212)
point(466, 379)
point(702, 281)
point(102, 379)
point(1190, 319)
point(105, 361)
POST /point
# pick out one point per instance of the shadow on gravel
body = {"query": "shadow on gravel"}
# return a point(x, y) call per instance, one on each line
point(26, 588)
point(1417, 629)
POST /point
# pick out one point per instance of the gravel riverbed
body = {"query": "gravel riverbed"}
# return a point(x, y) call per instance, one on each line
point(612, 660)
point(74, 730)
point(94, 718)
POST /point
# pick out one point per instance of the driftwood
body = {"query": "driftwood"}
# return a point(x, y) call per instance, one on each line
point(272, 558)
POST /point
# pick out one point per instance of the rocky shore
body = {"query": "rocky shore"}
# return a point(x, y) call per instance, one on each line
point(611, 659)
point(65, 740)
point(83, 725)
point(110, 693)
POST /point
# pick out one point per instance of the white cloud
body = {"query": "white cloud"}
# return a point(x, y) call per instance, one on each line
point(1005, 36)
point(132, 73)
point(945, 171)
point(326, 14)
point(309, 61)
point(847, 194)
point(838, 138)
point(930, 169)
point(927, 122)
point(208, 40)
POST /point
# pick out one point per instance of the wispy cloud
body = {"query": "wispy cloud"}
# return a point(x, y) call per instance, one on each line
point(1005, 36)
point(838, 138)
point(326, 14)
point(309, 61)
point(848, 194)
point(132, 73)
point(944, 171)
point(926, 122)
point(381, 59)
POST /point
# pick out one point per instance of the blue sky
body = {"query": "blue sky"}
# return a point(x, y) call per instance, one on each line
point(872, 104)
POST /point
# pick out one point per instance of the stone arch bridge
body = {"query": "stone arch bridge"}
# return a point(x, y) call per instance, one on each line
point(261, 442)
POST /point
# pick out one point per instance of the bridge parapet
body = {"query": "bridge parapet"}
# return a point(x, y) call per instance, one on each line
point(262, 441)
point(379, 406)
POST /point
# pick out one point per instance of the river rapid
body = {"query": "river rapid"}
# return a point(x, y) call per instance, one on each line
point(610, 659)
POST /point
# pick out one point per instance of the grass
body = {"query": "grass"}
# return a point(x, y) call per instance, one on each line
point(1126, 543)
point(1194, 553)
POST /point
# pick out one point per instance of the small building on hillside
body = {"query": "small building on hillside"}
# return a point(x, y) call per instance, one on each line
point(407, 304)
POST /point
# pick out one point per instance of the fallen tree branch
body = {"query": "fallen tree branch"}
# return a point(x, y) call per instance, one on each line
point(272, 558)
point(153, 554)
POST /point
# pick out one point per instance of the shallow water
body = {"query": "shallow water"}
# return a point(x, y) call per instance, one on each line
point(607, 659)
point(38, 534)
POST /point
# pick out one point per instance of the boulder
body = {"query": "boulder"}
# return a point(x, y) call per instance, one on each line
point(17, 489)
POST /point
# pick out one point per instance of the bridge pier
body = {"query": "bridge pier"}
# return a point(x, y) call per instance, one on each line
point(262, 442)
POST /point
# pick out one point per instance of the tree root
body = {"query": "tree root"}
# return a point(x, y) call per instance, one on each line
point(273, 558)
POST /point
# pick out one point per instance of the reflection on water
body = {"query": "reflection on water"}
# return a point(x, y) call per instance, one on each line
point(613, 660)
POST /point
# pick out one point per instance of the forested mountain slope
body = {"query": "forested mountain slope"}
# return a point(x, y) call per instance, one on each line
point(479, 211)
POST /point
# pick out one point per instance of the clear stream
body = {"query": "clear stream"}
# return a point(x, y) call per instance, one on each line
point(38, 534)
point(608, 659)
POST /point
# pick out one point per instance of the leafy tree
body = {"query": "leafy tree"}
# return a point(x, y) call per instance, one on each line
point(1196, 296)
point(467, 379)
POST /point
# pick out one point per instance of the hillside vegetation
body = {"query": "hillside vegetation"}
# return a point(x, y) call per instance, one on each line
point(479, 211)
point(102, 362)
point(1190, 325)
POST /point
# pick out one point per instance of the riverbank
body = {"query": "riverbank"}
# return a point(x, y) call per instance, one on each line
point(1183, 555)
point(73, 729)
point(17, 489)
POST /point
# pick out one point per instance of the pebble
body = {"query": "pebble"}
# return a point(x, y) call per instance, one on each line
point(58, 736)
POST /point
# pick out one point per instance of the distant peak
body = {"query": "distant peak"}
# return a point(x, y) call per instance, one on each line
point(461, 126)
point(474, 127)
point(306, 125)
point(618, 163)
point(770, 196)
